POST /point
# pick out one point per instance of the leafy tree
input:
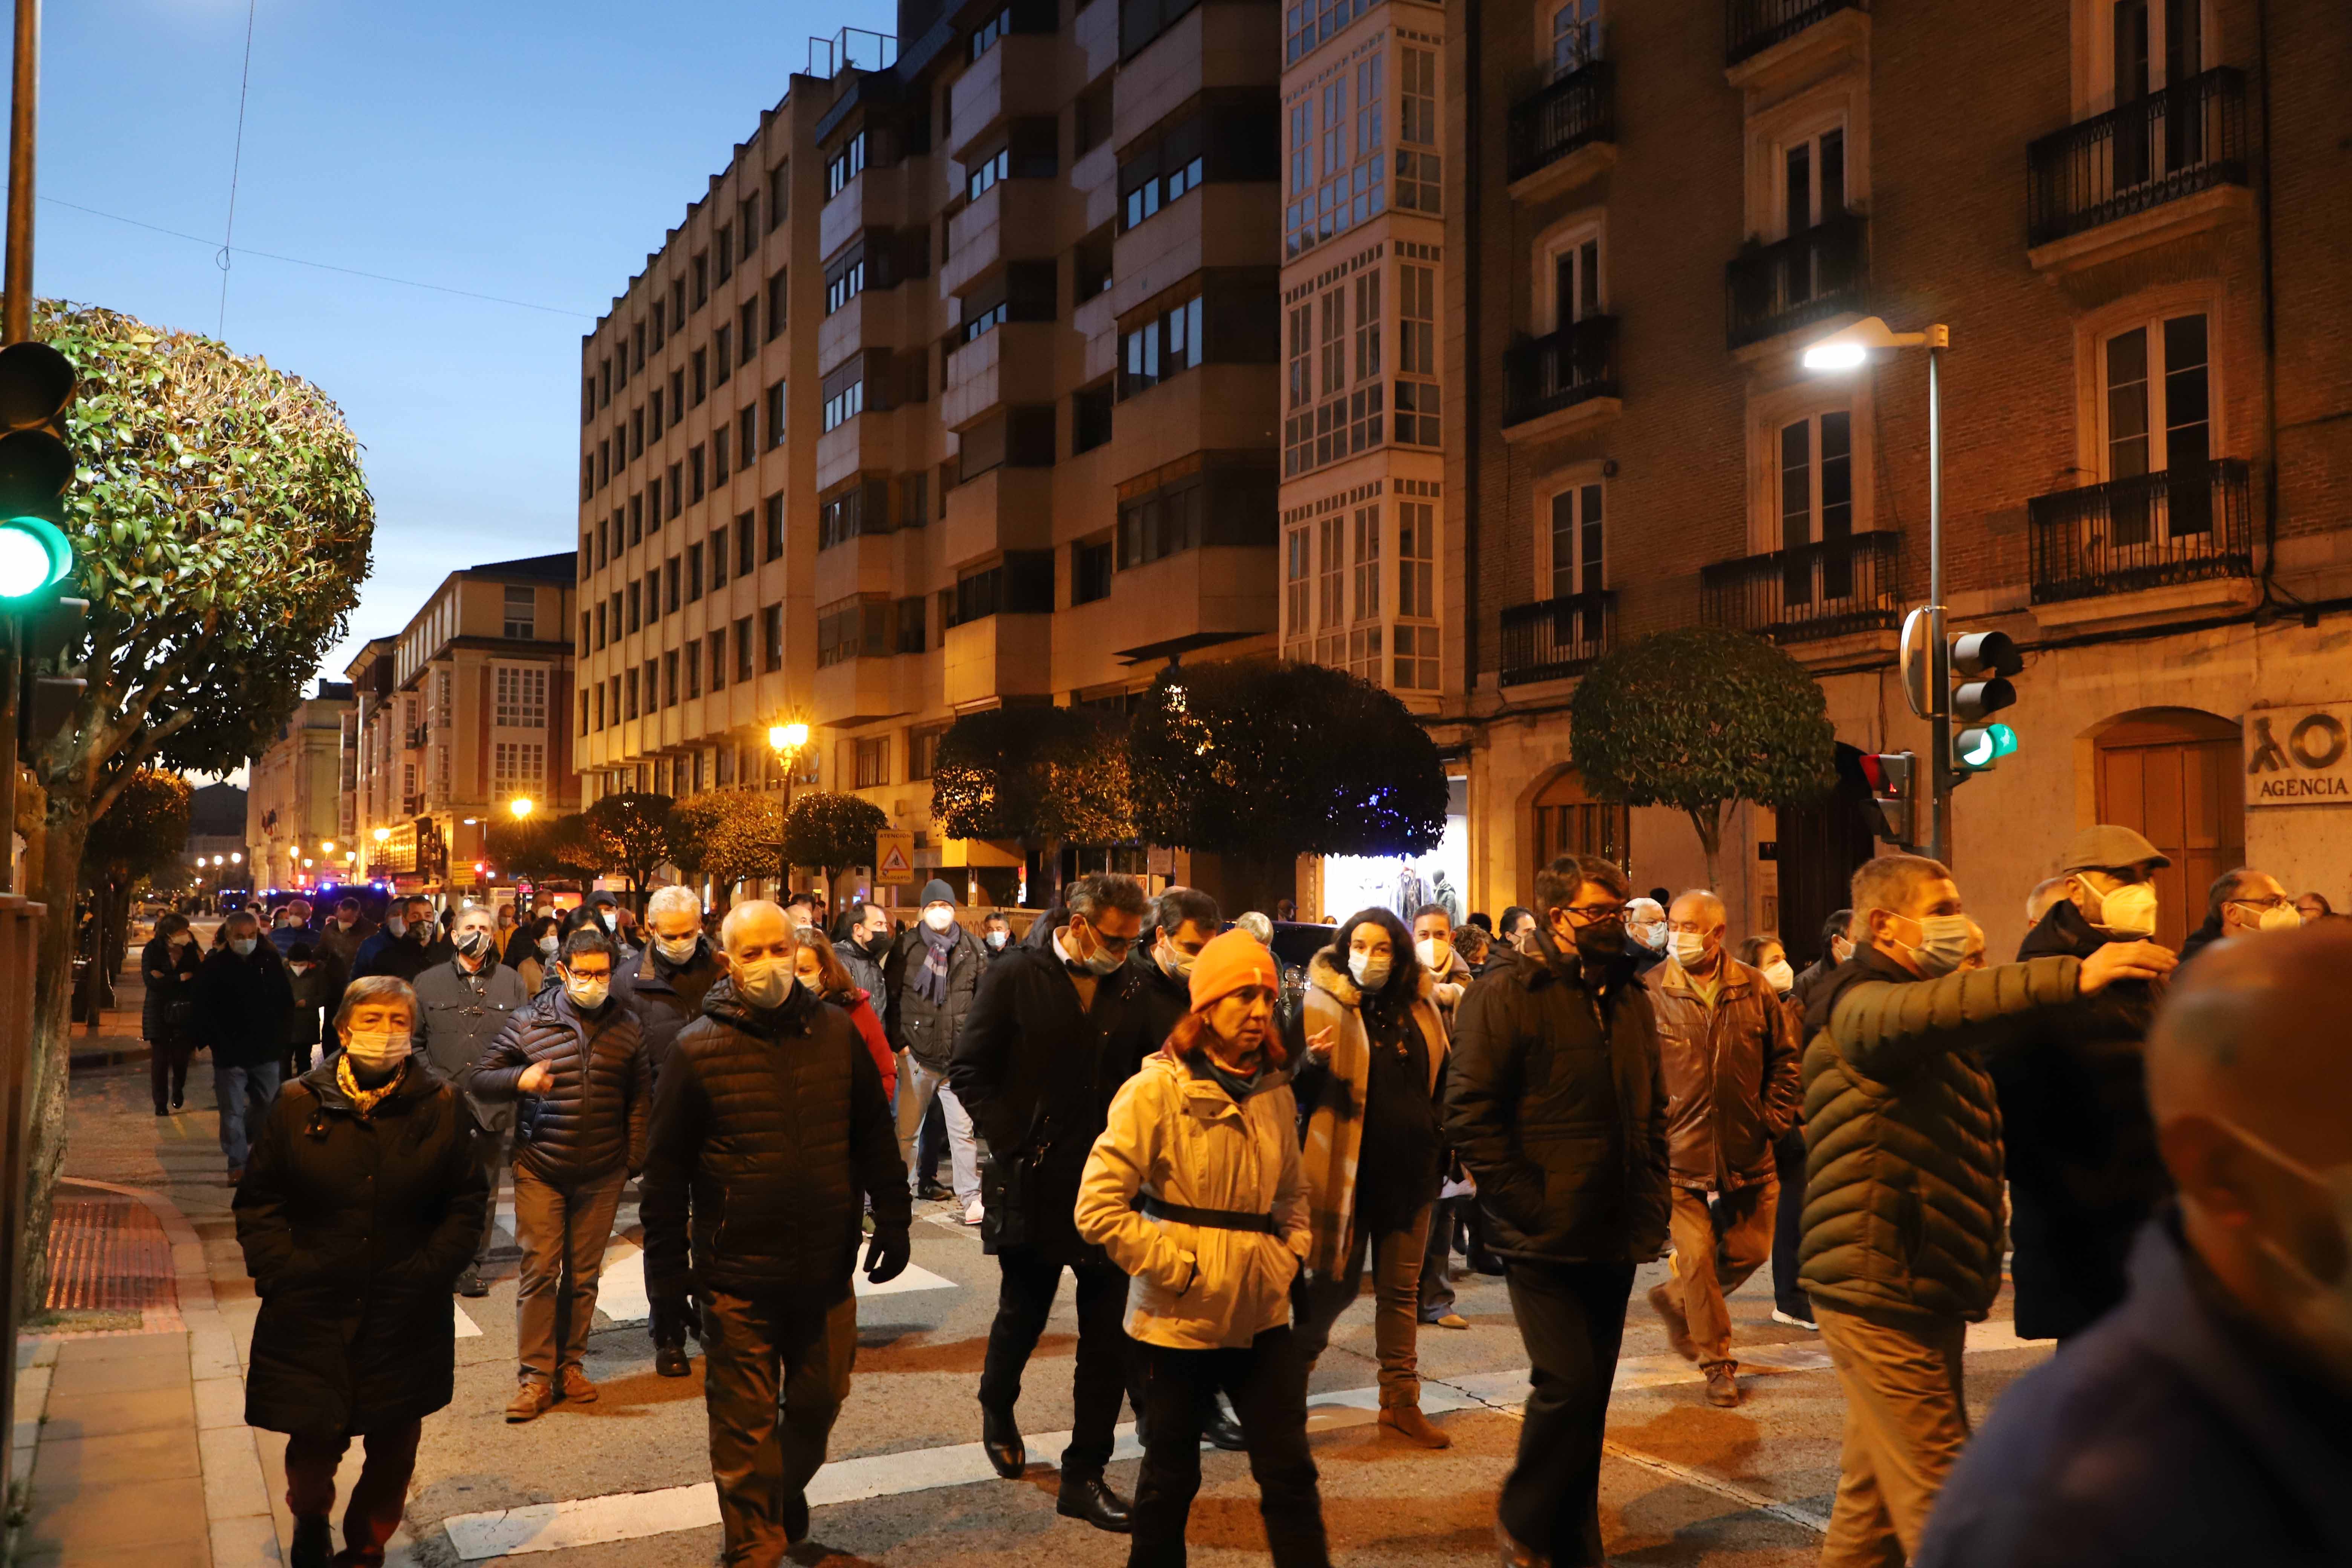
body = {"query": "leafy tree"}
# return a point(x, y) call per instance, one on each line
point(1697, 717)
point(220, 527)
point(1270, 761)
point(833, 832)
point(729, 835)
point(533, 847)
point(628, 833)
point(142, 833)
point(1042, 776)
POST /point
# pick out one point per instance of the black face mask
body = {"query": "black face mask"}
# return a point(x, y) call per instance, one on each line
point(420, 931)
point(1599, 941)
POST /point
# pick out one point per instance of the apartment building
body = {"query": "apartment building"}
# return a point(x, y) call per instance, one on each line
point(458, 717)
point(292, 796)
point(2120, 208)
point(1016, 321)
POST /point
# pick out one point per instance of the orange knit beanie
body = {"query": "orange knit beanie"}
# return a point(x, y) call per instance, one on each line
point(1227, 964)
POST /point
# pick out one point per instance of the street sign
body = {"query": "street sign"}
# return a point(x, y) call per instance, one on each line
point(2300, 755)
point(893, 858)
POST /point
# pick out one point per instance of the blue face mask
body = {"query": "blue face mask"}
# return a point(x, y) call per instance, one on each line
point(242, 946)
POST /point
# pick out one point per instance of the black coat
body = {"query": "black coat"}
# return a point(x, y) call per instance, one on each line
point(771, 1133)
point(177, 965)
point(591, 1120)
point(403, 956)
point(666, 1000)
point(1556, 1102)
point(1036, 1074)
point(244, 1006)
point(2083, 1170)
point(459, 1017)
point(916, 1024)
point(355, 1231)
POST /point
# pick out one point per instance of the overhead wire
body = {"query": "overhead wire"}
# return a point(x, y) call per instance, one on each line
point(235, 163)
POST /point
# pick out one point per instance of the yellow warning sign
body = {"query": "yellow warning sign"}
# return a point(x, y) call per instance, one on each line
point(893, 858)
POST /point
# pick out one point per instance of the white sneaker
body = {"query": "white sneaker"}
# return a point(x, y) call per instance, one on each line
point(971, 1213)
point(1793, 1322)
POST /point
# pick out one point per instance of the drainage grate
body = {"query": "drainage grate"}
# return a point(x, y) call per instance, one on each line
point(109, 1255)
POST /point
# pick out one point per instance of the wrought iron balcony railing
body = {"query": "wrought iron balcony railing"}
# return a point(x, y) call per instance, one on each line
point(1793, 282)
point(1555, 638)
point(1752, 27)
point(2179, 140)
point(1832, 588)
point(1574, 111)
point(2190, 522)
point(1544, 375)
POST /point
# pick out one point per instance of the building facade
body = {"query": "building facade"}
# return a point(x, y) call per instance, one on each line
point(293, 797)
point(1013, 400)
point(2114, 206)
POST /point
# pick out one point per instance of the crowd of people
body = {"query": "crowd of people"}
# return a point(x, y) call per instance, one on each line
point(1129, 1091)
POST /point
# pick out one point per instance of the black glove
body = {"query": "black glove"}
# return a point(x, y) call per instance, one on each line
point(887, 1252)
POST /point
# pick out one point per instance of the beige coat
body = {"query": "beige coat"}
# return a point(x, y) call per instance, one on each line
point(1336, 1091)
point(1183, 1140)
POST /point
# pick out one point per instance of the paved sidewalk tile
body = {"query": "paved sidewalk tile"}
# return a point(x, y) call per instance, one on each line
point(233, 1487)
point(220, 1402)
point(96, 1524)
point(246, 1542)
point(109, 1415)
point(102, 1348)
point(126, 1375)
point(167, 1454)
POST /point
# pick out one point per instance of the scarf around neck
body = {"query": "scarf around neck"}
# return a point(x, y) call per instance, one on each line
point(939, 946)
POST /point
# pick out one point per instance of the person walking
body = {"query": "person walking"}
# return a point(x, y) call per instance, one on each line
point(1050, 1039)
point(357, 1213)
point(2202, 1421)
point(1557, 1103)
point(1837, 946)
point(1194, 1189)
point(168, 964)
point(865, 947)
point(1370, 1052)
point(2238, 902)
point(531, 954)
point(243, 1004)
point(820, 970)
point(316, 983)
point(1903, 1182)
point(2080, 1151)
point(1445, 954)
point(929, 981)
point(416, 947)
point(1768, 957)
point(575, 1051)
point(343, 933)
point(1731, 1055)
point(463, 1007)
point(771, 1134)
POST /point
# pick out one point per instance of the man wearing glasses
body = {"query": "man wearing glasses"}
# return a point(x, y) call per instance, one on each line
point(2239, 902)
point(1556, 1102)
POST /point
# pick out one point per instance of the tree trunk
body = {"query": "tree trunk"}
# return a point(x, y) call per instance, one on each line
point(1708, 821)
point(68, 829)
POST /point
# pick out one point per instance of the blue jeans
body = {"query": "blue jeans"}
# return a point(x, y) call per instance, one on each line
point(243, 1093)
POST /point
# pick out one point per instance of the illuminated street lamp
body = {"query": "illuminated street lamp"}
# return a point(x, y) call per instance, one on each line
point(382, 834)
point(786, 740)
point(522, 806)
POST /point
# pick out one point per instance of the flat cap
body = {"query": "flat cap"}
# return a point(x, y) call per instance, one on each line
point(2108, 846)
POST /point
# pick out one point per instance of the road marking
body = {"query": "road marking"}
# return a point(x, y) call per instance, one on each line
point(633, 1516)
point(466, 1328)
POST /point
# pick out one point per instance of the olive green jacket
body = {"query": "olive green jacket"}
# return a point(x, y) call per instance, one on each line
point(1902, 1163)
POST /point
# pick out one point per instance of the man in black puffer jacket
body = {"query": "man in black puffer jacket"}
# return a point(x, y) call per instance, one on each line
point(576, 1052)
point(771, 1134)
point(1556, 1102)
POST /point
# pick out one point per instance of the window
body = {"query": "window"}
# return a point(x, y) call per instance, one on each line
point(914, 499)
point(1298, 580)
point(983, 176)
point(689, 660)
point(717, 557)
point(1161, 171)
point(671, 583)
point(1089, 418)
point(701, 365)
point(743, 544)
point(845, 165)
point(771, 638)
point(1812, 181)
point(842, 518)
point(638, 433)
point(677, 491)
point(1195, 504)
point(1573, 560)
point(718, 642)
point(725, 249)
point(520, 696)
point(1366, 523)
point(694, 474)
point(844, 280)
point(1306, 23)
point(1816, 460)
point(780, 195)
point(630, 688)
point(846, 405)
point(1575, 36)
point(1416, 402)
point(747, 331)
point(747, 431)
point(718, 441)
point(1417, 560)
point(1091, 119)
point(516, 767)
point(693, 574)
point(722, 355)
point(654, 415)
point(1338, 166)
point(775, 402)
point(601, 626)
point(657, 325)
point(669, 679)
point(2156, 413)
point(747, 222)
point(873, 759)
point(1418, 174)
point(779, 294)
point(744, 648)
point(1331, 606)
point(700, 270)
point(1163, 346)
point(521, 612)
point(1090, 265)
point(911, 625)
point(771, 528)
point(1414, 649)
point(923, 751)
point(984, 38)
point(1574, 294)
point(1090, 571)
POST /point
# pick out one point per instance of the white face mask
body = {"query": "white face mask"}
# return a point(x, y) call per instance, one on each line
point(300, 966)
point(377, 1049)
point(995, 940)
point(1174, 962)
point(1435, 952)
point(547, 946)
point(1652, 936)
point(2128, 911)
point(1943, 942)
point(242, 946)
point(587, 992)
point(395, 925)
point(938, 917)
point(1689, 947)
point(676, 948)
point(1841, 949)
point(1778, 975)
point(1371, 970)
point(2322, 1309)
point(2283, 918)
point(764, 982)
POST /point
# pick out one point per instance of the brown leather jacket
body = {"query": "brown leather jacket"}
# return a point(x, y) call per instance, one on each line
point(1731, 1076)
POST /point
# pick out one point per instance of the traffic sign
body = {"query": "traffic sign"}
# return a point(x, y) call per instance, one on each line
point(893, 858)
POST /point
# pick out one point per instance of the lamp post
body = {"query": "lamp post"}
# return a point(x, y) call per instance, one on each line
point(786, 740)
point(1851, 348)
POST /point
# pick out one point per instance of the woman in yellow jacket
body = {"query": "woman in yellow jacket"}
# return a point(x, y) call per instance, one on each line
point(1194, 1190)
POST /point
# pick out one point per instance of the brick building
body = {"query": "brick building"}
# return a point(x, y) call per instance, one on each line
point(2121, 210)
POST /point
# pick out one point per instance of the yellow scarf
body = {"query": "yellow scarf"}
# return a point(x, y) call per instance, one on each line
point(363, 1101)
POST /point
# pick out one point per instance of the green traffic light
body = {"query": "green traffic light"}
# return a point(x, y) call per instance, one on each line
point(34, 554)
point(2004, 739)
point(1976, 748)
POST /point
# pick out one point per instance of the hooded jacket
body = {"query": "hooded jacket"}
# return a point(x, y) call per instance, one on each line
point(770, 1135)
point(1903, 1168)
point(355, 1230)
point(1731, 1075)
point(1177, 1134)
point(1556, 1103)
point(590, 1122)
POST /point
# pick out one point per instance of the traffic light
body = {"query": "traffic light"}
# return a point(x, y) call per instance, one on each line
point(1981, 663)
point(1891, 776)
point(53, 633)
point(37, 384)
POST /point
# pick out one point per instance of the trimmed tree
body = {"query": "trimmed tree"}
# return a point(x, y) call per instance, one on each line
point(137, 840)
point(534, 846)
point(833, 832)
point(1040, 776)
point(1699, 718)
point(1264, 761)
point(221, 526)
point(628, 833)
point(727, 835)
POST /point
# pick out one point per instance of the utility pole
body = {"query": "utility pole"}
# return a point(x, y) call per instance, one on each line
point(16, 327)
point(1939, 677)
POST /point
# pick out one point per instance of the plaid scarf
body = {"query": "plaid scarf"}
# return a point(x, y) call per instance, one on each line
point(363, 1101)
point(939, 946)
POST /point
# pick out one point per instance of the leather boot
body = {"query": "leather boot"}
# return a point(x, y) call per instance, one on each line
point(1002, 1439)
point(1090, 1497)
point(1408, 1423)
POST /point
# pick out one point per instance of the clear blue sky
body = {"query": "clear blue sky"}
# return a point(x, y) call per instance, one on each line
point(524, 149)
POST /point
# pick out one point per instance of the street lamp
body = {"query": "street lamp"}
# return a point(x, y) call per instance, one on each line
point(522, 805)
point(1848, 349)
point(382, 834)
point(785, 740)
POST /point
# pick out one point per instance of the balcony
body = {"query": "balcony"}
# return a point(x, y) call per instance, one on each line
point(2168, 164)
point(1553, 639)
point(1837, 588)
point(1795, 282)
point(1563, 134)
point(1752, 27)
point(2169, 531)
point(1560, 381)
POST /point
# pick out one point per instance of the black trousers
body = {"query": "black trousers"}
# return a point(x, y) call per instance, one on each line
point(1104, 1358)
point(776, 1374)
point(167, 1067)
point(1572, 1317)
point(1789, 1225)
point(1266, 1385)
